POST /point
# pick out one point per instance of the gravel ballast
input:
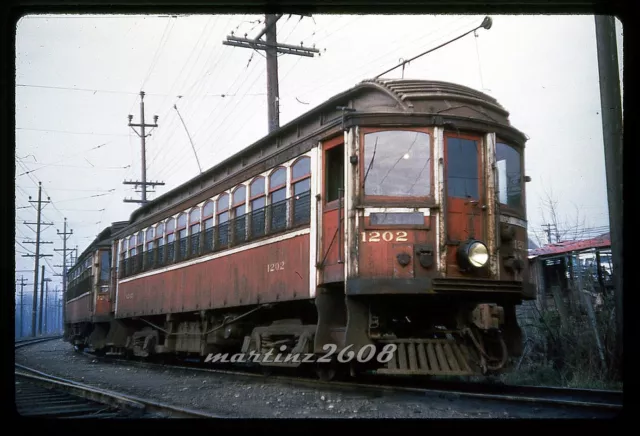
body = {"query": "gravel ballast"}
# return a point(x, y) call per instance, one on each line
point(236, 396)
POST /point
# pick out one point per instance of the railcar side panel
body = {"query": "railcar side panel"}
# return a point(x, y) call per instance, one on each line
point(79, 310)
point(278, 271)
point(103, 305)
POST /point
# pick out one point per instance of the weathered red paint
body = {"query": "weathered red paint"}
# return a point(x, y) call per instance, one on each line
point(465, 219)
point(103, 304)
point(333, 237)
point(269, 273)
point(332, 271)
point(79, 310)
point(378, 257)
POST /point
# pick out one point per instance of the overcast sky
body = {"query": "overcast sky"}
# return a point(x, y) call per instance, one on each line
point(78, 77)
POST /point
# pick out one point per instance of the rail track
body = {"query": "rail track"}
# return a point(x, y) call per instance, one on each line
point(602, 400)
point(43, 395)
point(561, 397)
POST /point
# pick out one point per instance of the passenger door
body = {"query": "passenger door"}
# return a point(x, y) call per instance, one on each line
point(330, 256)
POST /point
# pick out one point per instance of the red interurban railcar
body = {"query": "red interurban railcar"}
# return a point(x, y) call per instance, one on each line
point(393, 213)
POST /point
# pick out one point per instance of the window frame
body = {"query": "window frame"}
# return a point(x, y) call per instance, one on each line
point(392, 200)
point(292, 183)
point(482, 176)
point(233, 206)
point(161, 236)
point(257, 196)
point(190, 223)
point(278, 187)
point(148, 240)
point(217, 246)
point(204, 217)
point(520, 211)
point(329, 144)
point(219, 211)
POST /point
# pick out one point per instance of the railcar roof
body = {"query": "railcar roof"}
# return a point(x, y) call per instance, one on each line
point(103, 238)
point(403, 91)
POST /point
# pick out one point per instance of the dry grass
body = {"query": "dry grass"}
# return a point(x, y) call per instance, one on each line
point(569, 356)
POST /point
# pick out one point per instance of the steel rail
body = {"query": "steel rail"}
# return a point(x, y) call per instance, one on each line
point(113, 399)
point(554, 396)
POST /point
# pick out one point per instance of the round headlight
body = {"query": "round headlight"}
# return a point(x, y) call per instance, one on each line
point(478, 254)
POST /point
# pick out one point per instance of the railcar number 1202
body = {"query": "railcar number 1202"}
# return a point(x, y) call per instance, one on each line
point(278, 266)
point(398, 236)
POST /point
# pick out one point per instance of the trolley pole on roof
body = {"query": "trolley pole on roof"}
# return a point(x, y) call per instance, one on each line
point(143, 183)
point(37, 254)
point(612, 128)
point(271, 48)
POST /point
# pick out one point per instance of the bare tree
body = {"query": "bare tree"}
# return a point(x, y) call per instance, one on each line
point(562, 229)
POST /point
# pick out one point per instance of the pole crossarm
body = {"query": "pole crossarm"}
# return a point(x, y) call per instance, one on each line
point(280, 48)
point(271, 47)
point(142, 136)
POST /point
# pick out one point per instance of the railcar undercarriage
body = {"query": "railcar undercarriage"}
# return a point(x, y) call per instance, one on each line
point(402, 335)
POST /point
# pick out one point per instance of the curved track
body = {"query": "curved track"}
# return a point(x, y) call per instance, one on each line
point(42, 395)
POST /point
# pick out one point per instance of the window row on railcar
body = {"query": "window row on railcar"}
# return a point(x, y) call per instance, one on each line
point(268, 204)
point(80, 279)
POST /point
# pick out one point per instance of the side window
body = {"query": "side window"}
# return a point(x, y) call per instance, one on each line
point(258, 200)
point(334, 172)
point(277, 197)
point(207, 220)
point(171, 237)
point(223, 221)
point(301, 190)
point(149, 238)
point(239, 210)
point(181, 234)
point(194, 231)
point(132, 245)
point(149, 248)
point(160, 243)
point(140, 241)
point(508, 163)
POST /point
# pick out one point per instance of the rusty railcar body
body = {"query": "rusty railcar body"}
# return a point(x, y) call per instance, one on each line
point(88, 297)
point(393, 213)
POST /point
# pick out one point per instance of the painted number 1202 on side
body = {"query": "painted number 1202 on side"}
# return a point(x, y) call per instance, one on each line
point(397, 236)
point(278, 266)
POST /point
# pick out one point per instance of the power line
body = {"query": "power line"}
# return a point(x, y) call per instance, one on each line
point(156, 56)
point(70, 132)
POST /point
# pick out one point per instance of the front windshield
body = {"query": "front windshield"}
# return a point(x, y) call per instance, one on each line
point(397, 163)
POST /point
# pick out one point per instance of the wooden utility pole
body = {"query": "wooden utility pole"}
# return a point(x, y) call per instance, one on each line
point(548, 231)
point(46, 305)
point(22, 285)
point(612, 128)
point(41, 302)
point(143, 183)
point(37, 255)
point(65, 235)
point(271, 48)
